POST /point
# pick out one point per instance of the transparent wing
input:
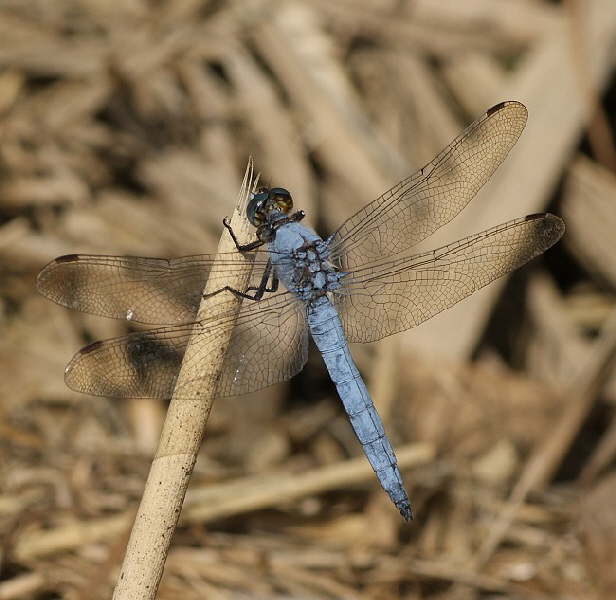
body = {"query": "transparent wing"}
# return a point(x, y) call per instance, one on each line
point(390, 297)
point(145, 290)
point(419, 205)
point(268, 345)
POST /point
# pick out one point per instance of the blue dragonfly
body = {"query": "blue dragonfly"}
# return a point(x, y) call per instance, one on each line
point(359, 285)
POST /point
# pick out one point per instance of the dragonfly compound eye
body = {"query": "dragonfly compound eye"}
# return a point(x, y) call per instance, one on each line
point(266, 201)
point(282, 198)
point(254, 211)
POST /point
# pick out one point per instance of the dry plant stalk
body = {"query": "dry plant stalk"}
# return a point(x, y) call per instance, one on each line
point(544, 460)
point(175, 458)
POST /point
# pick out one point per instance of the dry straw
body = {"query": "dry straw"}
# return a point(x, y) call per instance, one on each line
point(177, 451)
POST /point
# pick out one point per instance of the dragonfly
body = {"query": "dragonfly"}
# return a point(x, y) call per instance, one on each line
point(361, 284)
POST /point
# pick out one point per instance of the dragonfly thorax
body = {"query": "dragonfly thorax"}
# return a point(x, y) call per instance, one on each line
point(309, 273)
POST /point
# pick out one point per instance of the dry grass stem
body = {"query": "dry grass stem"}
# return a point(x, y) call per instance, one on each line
point(182, 433)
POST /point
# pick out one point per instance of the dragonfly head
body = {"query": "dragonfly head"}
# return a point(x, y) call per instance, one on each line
point(266, 201)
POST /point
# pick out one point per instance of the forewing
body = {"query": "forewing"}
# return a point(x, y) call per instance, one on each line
point(384, 299)
point(419, 205)
point(135, 288)
point(268, 345)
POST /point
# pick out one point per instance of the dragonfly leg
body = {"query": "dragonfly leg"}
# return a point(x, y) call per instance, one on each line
point(241, 247)
point(259, 290)
point(263, 287)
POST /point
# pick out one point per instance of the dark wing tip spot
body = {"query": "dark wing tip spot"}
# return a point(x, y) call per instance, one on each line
point(536, 216)
point(91, 347)
point(67, 258)
point(496, 108)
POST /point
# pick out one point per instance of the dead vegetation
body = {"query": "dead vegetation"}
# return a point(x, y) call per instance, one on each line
point(125, 128)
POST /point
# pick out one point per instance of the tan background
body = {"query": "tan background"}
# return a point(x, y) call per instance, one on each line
point(125, 128)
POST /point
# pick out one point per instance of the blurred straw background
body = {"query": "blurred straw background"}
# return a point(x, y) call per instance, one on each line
point(125, 128)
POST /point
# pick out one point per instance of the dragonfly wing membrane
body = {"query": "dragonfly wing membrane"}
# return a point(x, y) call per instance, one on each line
point(145, 290)
point(417, 206)
point(381, 300)
point(268, 345)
